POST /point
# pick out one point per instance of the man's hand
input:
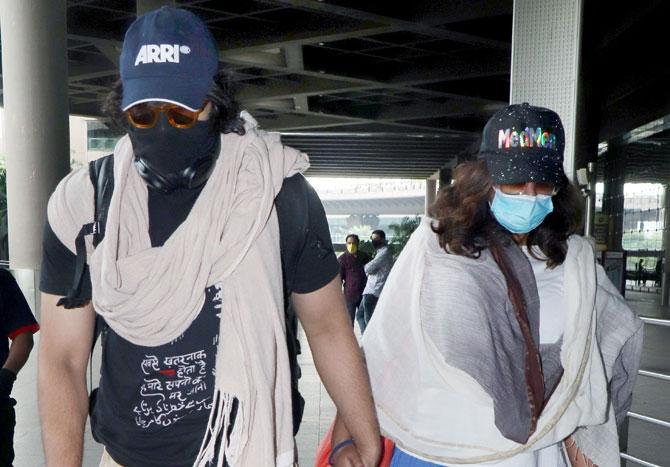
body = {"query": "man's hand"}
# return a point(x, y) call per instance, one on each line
point(354, 455)
point(348, 456)
point(339, 361)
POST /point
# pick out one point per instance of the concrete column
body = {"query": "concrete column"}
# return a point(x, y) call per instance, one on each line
point(34, 74)
point(665, 281)
point(143, 6)
point(546, 40)
point(431, 193)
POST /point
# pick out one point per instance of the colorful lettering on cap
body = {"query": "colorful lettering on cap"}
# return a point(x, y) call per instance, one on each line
point(528, 138)
point(160, 53)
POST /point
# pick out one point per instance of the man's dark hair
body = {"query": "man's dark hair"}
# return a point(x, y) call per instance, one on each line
point(380, 233)
point(225, 116)
point(354, 236)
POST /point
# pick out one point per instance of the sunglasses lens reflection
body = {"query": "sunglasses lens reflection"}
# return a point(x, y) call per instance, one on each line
point(182, 116)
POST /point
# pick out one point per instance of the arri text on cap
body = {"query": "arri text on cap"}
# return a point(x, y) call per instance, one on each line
point(161, 53)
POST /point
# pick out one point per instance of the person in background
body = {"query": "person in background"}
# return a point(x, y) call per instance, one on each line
point(17, 324)
point(640, 271)
point(377, 271)
point(352, 273)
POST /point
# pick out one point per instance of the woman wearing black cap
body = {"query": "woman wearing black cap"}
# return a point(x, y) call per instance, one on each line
point(516, 348)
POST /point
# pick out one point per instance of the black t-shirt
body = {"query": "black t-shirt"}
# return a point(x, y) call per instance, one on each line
point(152, 405)
point(15, 315)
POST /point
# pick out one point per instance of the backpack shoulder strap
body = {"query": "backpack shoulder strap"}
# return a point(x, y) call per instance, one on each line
point(101, 173)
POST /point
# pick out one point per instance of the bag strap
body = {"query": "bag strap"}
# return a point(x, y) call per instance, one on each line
point(73, 298)
point(101, 173)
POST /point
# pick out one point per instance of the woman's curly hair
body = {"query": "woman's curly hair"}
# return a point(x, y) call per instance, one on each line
point(466, 226)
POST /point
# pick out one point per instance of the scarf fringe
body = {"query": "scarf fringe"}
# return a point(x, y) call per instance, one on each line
point(216, 434)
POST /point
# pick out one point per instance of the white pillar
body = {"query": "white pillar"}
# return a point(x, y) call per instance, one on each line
point(431, 193)
point(34, 75)
point(546, 40)
point(144, 6)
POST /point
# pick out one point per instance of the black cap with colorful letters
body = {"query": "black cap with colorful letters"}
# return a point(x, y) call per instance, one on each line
point(522, 143)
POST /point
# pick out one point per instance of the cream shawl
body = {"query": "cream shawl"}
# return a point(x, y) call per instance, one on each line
point(150, 296)
point(441, 413)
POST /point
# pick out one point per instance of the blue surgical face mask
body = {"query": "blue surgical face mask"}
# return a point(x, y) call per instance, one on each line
point(520, 213)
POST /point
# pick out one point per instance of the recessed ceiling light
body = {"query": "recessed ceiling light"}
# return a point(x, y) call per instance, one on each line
point(322, 43)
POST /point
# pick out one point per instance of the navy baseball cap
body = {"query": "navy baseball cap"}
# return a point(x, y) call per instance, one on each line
point(168, 55)
point(522, 143)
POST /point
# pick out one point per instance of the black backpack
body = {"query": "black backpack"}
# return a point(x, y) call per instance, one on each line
point(293, 196)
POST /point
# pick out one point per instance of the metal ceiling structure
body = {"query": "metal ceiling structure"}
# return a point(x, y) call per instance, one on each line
point(384, 89)
point(628, 99)
point(646, 160)
point(400, 89)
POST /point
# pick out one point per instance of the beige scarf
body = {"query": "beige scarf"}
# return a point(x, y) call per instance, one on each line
point(150, 296)
point(441, 413)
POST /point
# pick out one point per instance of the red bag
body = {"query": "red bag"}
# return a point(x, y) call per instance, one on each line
point(323, 451)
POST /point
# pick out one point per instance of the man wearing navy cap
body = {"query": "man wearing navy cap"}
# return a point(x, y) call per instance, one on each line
point(206, 212)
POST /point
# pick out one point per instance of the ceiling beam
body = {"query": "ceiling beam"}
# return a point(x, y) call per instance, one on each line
point(283, 123)
point(301, 37)
point(418, 26)
point(112, 52)
point(270, 58)
point(457, 11)
point(295, 62)
point(292, 122)
point(415, 110)
point(457, 66)
point(304, 87)
point(451, 68)
point(632, 17)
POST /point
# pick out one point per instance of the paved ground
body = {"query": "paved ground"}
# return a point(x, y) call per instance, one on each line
point(651, 396)
point(646, 441)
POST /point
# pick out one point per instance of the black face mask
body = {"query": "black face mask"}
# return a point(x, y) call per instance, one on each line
point(377, 244)
point(168, 158)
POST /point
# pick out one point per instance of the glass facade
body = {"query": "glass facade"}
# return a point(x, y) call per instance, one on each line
point(100, 137)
